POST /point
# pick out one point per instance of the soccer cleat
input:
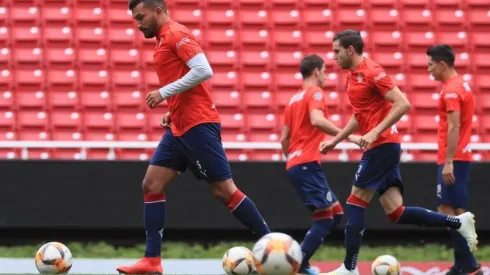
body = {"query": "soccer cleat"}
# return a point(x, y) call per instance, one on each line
point(467, 230)
point(342, 271)
point(307, 271)
point(476, 271)
point(144, 266)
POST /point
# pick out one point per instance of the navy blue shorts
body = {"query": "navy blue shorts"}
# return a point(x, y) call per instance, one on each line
point(379, 169)
point(309, 181)
point(455, 195)
point(200, 149)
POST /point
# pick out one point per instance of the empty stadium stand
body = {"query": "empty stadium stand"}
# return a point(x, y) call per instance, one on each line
point(80, 70)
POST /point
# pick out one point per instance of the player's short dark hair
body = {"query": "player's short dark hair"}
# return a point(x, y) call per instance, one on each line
point(442, 52)
point(349, 38)
point(152, 3)
point(309, 64)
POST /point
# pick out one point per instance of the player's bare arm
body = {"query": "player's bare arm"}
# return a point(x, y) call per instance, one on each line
point(285, 139)
point(453, 127)
point(400, 106)
point(351, 126)
point(318, 120)
point(200, 71)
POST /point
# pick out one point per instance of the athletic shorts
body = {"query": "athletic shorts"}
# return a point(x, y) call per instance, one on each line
point(455, 195)
point(379, 169)
point(311, 185)
point(200, 149)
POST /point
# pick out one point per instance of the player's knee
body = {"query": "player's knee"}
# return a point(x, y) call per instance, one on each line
point(151, 186)
point(223, 190)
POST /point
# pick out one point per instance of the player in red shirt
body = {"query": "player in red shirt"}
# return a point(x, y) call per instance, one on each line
point(377, 105)
point(456, 110)
point(194, 137)
point(305, 125)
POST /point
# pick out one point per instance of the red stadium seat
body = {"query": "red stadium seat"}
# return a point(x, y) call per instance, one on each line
point(122, 37)
point(222, 59)
point(66, 120)
point(57, 15)
point(95, 99)
point(32, 119)
point(425, 100)
point(33, 135)
point(387, 39)
point(188, 17)
point(256, 80)
point(285, 19)
point(255, 39)
point(478, 18)
point(260, 59)
point(257, 99)
point(318, 18)
point(98, 120)
point(226, 99)
point(25, 36)
point(480, 41)
point(124, 59)
point(224, 80)
point(426, 122)
point(417, 19)
point(261, 121)
point(31, 99)
point(232, 120)
point(7, 119)
point(351, 18)
point(29, 58)
point(423, 81)
point(126, 78)
point(94, 37)
point(457, 40)
point(119, 17)
point(58, 36)
point(63, 99)
point(450, 19)
point(25, 15)
point(419, 40)
point(31, 79)
point(128, 98)
point(253, 18)
point(225, 38)
point(93, 58)
point(98, 80)
point(385, 18)
point(6, 100)
point(90, 16)
point(60, 58)
point(288, 39)
point(131, 120)
point(221, 17)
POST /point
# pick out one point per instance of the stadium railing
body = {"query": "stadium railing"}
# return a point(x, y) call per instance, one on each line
point(111, 145)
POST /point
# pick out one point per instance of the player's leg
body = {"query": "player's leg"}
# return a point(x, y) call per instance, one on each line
point(207, 159)
point(392, 203)
point(453, 200)
point(163, 169)
point(310, 183)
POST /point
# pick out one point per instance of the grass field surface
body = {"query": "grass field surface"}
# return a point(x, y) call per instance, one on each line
point(180, 250)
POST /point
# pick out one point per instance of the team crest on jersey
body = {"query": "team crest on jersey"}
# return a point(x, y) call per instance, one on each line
point(359, 78)
point(318, 96)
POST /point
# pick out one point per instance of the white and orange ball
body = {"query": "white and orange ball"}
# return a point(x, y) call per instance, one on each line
point(53, 258)
point(386, 265)
point(238, 261)
point(277, 254)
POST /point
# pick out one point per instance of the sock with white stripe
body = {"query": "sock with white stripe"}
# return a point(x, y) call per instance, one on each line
point(354, 229)
point(154, 213)
point(245, 211)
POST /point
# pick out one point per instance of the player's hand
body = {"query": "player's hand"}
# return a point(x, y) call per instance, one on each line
point(326, 146)
point(448, 174)
point(153, 99)
point(165, 121)
point(368, 139)
point(355, 139)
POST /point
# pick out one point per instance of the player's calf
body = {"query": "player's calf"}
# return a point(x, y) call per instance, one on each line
point(322, 224)
point(338, 214)
point(241, 206)
point(354, 230)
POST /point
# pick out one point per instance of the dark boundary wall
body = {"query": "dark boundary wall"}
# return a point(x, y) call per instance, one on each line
point(100, 195)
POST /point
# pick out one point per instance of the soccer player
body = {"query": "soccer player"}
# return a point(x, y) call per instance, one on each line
point(305, 125)
point(377, 105)
point(456, 109)
point(194, 137)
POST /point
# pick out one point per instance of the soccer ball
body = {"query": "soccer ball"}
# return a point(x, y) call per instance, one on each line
point(238, 260)
point(385, 265)
point(53, 258)
point(277, 254)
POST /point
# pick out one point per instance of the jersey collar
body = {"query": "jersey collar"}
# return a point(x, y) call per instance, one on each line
point(361, 66)
point(163, 29)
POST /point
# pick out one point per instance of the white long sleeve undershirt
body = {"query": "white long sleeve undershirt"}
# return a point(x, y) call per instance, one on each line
point(200, 70)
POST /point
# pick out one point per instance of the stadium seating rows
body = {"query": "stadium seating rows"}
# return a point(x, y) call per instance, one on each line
point(79, 70)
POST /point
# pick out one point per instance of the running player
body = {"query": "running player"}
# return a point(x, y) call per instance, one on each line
point(456, 109)
point(194, 137)
point(304, 128)
point(377, 105)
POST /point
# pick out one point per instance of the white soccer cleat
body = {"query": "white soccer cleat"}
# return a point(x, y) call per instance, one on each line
point(467, 229)
point(342, 271)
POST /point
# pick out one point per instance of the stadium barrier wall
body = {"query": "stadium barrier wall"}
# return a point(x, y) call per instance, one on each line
point(107, 195)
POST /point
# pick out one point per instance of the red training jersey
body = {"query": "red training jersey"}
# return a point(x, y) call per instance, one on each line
point(456, 96)
point(305, 139)
point(366, 87)
point(175, 47)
